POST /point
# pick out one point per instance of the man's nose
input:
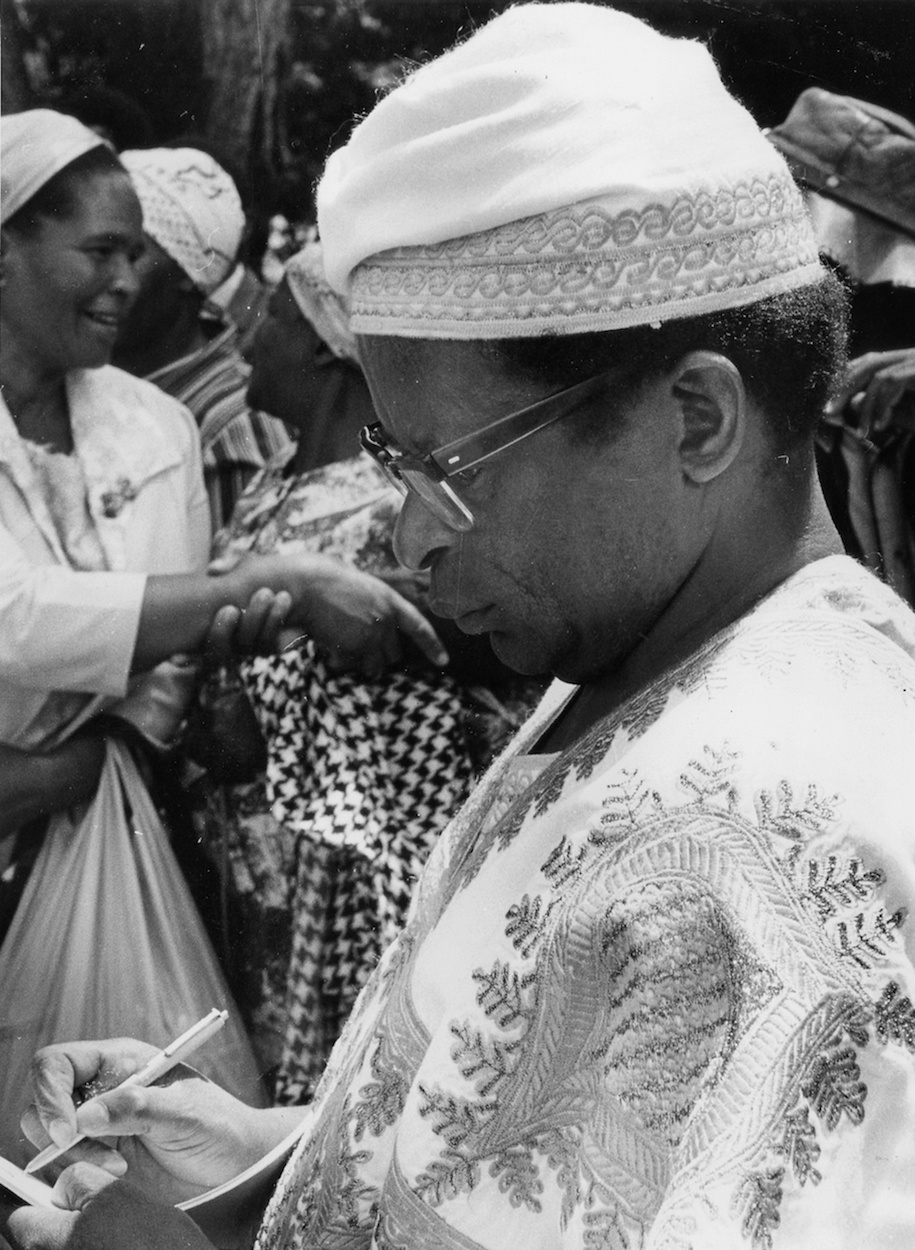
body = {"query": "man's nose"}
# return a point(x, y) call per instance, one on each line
point(419, 535)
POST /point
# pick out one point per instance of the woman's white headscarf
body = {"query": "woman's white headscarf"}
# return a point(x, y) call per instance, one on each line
point(34, 146)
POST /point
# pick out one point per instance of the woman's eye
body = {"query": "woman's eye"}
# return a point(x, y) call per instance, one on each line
point(466, 476)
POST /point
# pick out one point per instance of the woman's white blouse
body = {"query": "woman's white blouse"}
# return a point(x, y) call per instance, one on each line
point(63, 630)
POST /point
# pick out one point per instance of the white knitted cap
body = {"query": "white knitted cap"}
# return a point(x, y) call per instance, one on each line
point(322, 307)
point(567, 168)
point(191, 207)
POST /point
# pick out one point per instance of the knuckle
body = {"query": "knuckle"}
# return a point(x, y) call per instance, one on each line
point(79, 1183)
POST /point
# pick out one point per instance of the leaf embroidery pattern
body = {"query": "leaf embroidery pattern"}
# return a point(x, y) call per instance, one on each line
point(526, 923)
point(835, 1086)
point(562, 1148)
point(502, 994)
point(563, 864)
point(894, 1017)
point(518, 1176)
point(797, 821)
point(552, 789)
point(381, 1100)
point(866, 941)
point(603, 1231)
point(800, 1146)
point(760, 1200)
point(637, 716)
point(447, 1177)
point(710, 777)
point(487, 1061)
point(353, 1190)
point(455, 1119)
point(627, 802)
point(508, 829)
point(838, 885)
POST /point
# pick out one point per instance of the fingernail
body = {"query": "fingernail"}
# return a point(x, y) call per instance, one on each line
point(441, 656)
point(115, 1164)
point(60, 1132)
point(93, 1117)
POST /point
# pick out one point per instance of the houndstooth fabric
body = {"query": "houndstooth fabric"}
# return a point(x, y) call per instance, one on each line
point(366, 773)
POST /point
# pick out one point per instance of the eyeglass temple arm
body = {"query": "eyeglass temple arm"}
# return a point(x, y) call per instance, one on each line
point(466, 452)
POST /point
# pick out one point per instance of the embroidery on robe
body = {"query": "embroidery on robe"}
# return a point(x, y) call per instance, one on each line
point(694, 1006)
point(894, 1017)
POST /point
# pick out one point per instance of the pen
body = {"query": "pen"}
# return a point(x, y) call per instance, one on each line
point(161, 1063)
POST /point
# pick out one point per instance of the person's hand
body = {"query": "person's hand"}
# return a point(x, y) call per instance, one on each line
point(362, 624)
point(879, 389)
point(100, 1213)
point(358, 621)
point(174, 1140)
point(253, 630)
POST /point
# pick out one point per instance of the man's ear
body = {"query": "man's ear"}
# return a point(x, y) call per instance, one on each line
point(713, 407)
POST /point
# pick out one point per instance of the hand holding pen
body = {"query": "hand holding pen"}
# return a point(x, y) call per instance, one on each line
point(161, 1063)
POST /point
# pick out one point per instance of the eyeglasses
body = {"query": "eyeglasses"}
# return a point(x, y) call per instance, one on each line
point(426, 476)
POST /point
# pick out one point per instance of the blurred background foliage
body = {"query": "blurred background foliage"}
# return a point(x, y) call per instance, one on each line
point(271, 86)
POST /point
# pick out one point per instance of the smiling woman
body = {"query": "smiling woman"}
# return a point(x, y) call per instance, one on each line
point(99, 481)
point(69, 275)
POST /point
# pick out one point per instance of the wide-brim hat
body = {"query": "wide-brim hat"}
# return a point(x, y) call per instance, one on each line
point(855, 153)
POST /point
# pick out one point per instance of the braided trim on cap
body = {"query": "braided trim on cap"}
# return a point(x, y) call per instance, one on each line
point(595, 265)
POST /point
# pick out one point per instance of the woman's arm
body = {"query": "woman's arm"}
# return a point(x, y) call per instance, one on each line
point(67, 630)
point(38, 783)
point(356, 618)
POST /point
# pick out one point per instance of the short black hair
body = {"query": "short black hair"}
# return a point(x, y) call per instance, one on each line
point(58, 196)
point(791, 350)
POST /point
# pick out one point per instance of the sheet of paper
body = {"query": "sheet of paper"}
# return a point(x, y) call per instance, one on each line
point(29, 1188)
point(205, 1208)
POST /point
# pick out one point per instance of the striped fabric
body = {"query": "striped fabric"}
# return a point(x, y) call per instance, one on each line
point(237, 440)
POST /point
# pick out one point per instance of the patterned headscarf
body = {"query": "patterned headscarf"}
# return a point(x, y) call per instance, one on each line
point(34, 146)
point(191, 207)
point(320, 306)
point(566, 169)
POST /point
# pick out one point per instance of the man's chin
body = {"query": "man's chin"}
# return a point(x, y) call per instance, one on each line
point(513, 653)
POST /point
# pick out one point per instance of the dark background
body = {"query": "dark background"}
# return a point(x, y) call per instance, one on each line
point(314, 66)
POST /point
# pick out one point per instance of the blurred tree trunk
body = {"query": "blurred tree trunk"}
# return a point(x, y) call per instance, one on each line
point(242, 42)
point(16, 92)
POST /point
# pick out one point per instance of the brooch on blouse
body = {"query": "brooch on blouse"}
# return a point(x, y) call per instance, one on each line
point(113, 501)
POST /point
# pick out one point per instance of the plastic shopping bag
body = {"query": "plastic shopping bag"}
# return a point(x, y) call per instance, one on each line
point(107, 942)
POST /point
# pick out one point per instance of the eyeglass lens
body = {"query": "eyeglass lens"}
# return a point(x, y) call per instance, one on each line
point(438, 497)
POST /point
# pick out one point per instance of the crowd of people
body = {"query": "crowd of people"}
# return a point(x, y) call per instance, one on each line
point(481, 658)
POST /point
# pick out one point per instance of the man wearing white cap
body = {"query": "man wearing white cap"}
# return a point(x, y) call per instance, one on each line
point(193, 221)
point(656, 987)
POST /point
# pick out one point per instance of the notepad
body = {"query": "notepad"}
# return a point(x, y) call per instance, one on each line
point(250, 1187)
point(208, 1209)
point(29, 1188)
